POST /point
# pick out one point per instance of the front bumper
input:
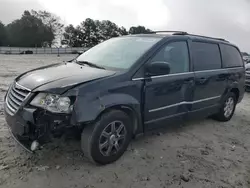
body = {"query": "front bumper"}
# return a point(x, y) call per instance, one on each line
point(19, 125)
point(25, 145)
point(32, 124)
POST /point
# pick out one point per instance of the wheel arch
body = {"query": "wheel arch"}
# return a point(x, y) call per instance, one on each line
point(89, 110)
point(130, 111)
point(236, 91)
point(234, 88)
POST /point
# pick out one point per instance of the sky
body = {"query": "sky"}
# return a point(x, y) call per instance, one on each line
point(229, 19)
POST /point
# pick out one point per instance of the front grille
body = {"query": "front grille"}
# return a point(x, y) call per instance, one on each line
point(16, 96)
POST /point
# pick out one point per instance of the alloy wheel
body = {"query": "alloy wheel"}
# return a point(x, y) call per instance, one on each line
point(112, 138)
point(229, 107)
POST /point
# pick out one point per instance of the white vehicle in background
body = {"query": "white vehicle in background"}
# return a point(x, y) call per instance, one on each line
point(247, 66)
point(246, 59)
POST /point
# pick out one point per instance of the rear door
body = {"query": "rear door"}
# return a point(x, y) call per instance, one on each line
point(166, 96)
point(233, 62)
point(210, 78)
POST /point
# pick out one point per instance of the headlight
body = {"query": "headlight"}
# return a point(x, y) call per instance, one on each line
point(52, 103)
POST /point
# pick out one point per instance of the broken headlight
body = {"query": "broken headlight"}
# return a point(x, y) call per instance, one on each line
point(53, 103)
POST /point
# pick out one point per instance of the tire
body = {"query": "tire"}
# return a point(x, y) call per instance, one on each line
point(223, 114)
point(102, 143)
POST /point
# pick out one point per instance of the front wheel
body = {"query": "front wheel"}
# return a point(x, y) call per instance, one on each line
point(105, 141)
point(228, 107)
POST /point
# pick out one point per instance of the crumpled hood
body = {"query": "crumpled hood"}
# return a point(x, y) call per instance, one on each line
point(60, 77)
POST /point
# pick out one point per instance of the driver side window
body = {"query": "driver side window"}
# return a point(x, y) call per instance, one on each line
point(176, 54)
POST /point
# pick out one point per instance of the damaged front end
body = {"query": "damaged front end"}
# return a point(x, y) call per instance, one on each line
point(36, 118)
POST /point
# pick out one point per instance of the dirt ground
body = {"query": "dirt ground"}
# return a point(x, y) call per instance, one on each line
point(199, 154)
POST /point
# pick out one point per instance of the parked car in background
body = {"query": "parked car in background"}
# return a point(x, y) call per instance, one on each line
point(126, 86)
point(246, 59)
point(247, 66)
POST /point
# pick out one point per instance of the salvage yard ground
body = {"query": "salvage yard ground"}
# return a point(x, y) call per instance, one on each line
point(198, 154)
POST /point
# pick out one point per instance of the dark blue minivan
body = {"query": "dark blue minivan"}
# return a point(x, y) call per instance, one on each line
point(126, 86)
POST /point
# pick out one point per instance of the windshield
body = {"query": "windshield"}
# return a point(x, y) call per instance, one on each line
point(119, 53)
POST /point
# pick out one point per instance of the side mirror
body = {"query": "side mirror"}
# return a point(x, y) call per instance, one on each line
point(157, 68)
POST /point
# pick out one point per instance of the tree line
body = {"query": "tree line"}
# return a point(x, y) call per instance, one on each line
point(44, 29)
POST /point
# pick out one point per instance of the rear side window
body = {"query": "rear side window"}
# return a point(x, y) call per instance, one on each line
point(231, 56)
point(206, 56)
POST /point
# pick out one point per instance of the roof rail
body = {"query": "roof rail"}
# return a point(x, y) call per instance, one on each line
point(173, 32)
point(185, 33)
point(207, 37)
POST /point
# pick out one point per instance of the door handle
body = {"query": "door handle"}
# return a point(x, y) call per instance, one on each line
point(202, 80)
point(189, 81)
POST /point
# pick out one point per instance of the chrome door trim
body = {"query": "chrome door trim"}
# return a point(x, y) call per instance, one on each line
point(184, 73)
point(165, 75)
point(169, 106)
point(169, 75)
point(184, 102)
point(165, 117)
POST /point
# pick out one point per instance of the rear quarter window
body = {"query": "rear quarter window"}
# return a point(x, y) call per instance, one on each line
point(206, 56)
point(231, 56)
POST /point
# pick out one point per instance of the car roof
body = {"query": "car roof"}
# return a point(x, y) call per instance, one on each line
point(167, 34)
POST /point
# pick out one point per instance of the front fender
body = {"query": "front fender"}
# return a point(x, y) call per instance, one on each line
point(88, 108)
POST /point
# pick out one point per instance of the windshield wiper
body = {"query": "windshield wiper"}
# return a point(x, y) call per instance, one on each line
point(90, 64)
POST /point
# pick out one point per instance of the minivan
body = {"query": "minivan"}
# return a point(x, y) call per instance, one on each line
point(124, 87)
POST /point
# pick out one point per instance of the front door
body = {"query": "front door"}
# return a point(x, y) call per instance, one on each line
point(167, 96)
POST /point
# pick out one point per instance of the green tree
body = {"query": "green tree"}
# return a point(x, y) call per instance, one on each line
point(123, 31)
point(139, 30)
point(91, 32)
point(52, 22)
point(29, 31)
point(108, 29)
point(73, 36)
point(3, 36)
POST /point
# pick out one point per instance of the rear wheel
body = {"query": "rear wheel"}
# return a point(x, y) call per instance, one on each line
point(228, 107)
point(105, 141)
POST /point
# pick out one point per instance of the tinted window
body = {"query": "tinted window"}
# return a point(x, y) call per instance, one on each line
point(120, 53)
point(231, 56)
point(206, 56)
point(176, 54)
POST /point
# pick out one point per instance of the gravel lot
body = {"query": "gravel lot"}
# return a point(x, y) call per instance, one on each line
point(203, 153)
